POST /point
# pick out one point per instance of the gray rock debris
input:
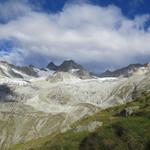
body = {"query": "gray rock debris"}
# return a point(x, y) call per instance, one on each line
point(89, 127)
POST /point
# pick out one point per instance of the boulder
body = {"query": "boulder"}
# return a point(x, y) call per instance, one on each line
point(126, 112)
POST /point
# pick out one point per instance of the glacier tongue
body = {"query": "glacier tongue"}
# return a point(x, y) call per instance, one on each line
point(63, 93)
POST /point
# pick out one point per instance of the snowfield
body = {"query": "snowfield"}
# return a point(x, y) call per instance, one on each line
point(10, 81)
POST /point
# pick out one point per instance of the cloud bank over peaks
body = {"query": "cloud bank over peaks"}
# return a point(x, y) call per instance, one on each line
point(91, 35)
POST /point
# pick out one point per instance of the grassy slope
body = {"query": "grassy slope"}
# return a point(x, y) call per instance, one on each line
point(117, 133)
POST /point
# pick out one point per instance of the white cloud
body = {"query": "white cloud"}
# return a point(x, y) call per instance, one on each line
point(84, 32)
point(13, 9)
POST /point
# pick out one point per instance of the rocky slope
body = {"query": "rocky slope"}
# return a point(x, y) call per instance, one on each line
point(36, 107)
point(121, 127)
point(125, 72)
point(12, 71)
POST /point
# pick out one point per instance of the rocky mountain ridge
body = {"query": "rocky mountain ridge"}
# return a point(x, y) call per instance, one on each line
point(125, 71)
point(12, 71)
point(39, 106)
point(71, 67)
point(66, 66)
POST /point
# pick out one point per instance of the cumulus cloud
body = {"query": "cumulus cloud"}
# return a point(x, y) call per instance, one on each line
point(12, 9)
point(91, 35)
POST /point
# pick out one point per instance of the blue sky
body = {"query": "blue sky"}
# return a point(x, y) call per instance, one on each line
point(130, 8)
point(100, 34)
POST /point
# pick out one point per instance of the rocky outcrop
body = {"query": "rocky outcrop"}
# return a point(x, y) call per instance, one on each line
point(52, 66)
point(66, 66)
point(6, 93)
point(72, 67)
point(91, 127)
point(69, 65)
point(126, 112)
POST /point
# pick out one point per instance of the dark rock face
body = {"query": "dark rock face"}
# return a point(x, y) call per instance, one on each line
point(71, 67)
point(6, 94)
point(52, 66)
point(126, 71)
point(107, 73)
point(65, 66)
point(68, 65)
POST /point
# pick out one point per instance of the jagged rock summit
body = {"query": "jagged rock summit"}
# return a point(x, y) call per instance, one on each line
point(66, 66)
point(71, 67)
point(52, 66)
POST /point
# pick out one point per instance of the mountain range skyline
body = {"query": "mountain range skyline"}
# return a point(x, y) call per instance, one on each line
point(71, 65)
point(106, 35)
